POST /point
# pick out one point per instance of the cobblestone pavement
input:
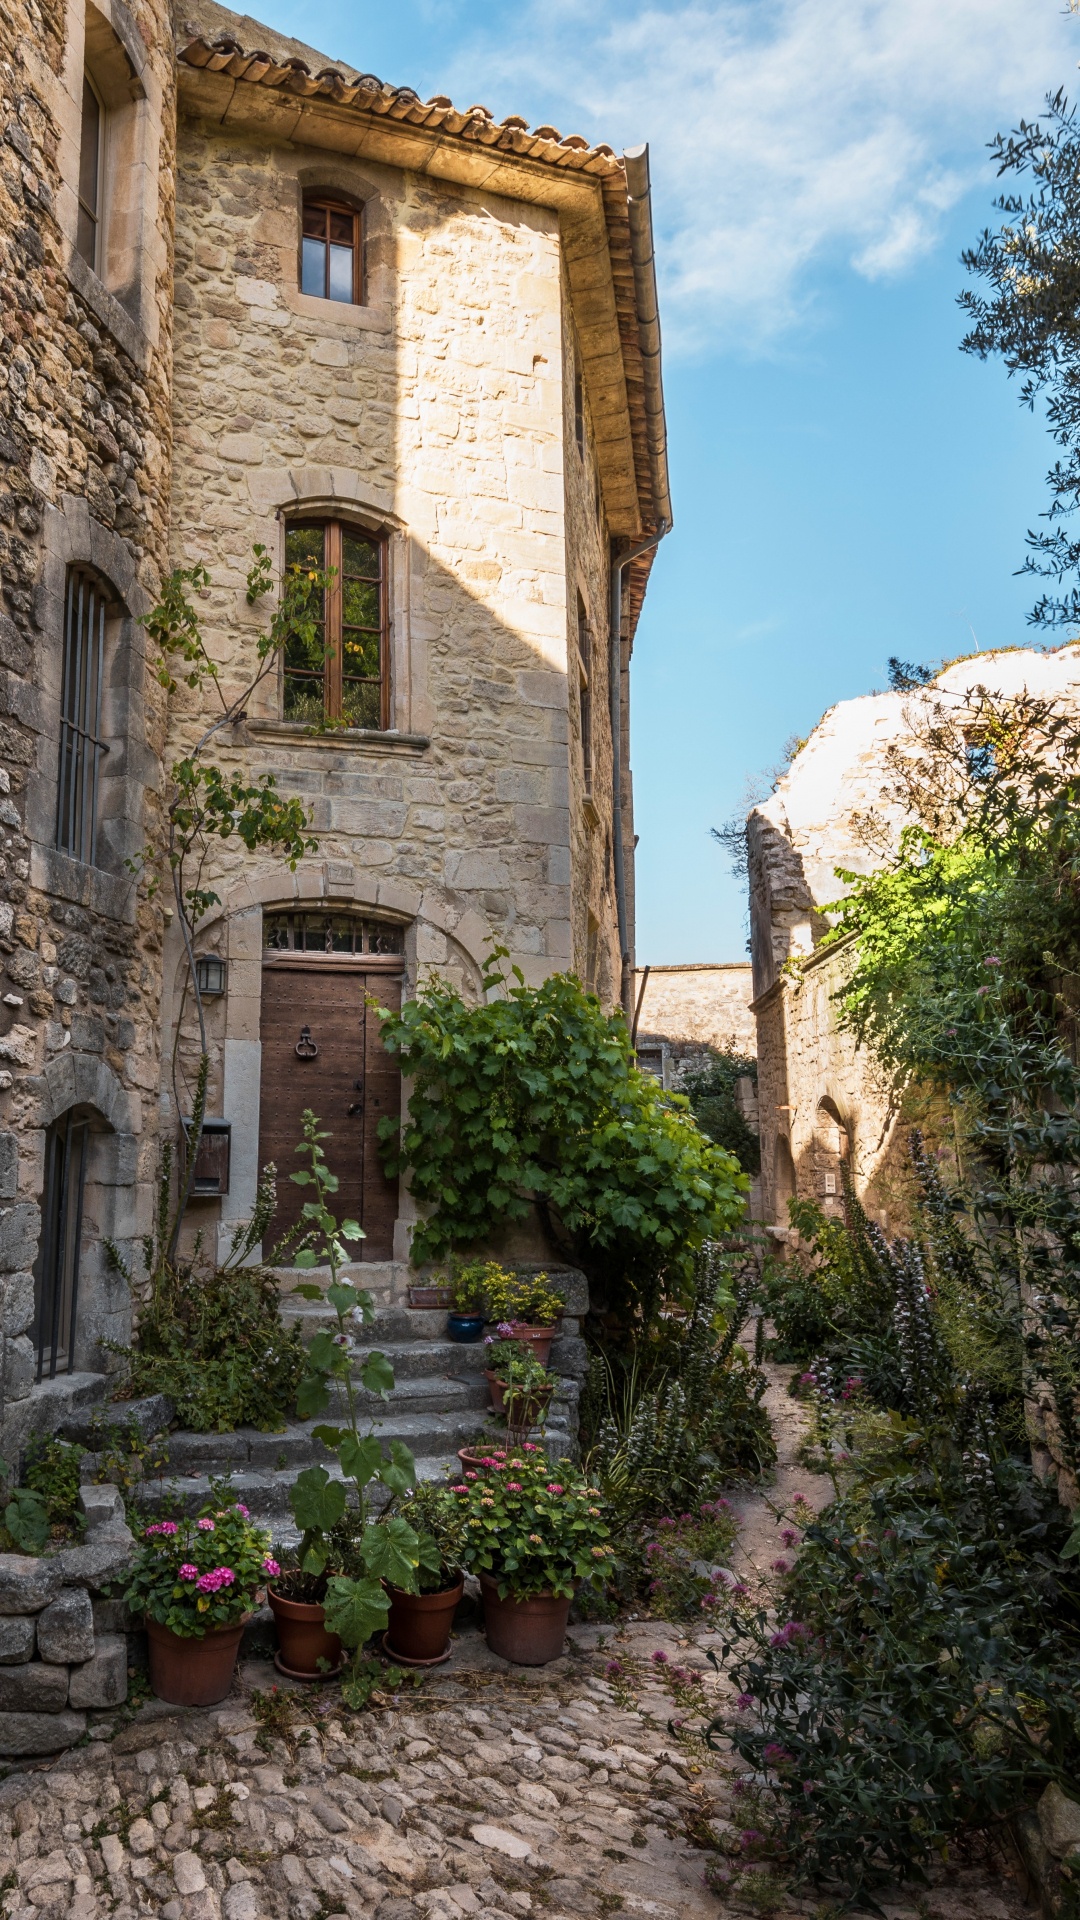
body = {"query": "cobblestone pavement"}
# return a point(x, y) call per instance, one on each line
point(486, 1791)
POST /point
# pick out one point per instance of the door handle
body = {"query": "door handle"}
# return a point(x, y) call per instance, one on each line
point(357, 1107)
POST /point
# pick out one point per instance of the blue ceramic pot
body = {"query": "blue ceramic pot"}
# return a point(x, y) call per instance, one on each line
point(465, 1327)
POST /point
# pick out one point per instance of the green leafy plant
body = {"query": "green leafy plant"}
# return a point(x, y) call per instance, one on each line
point(434, 1512)
point(471, 1283)
point(53, 1469)
point(355, 1603)
point(533, 1527)
point(193, 1575)
point(26, 1516)
point(212, 1337)
point(713, 1093)
point(525, 1297)
point(533, 1097)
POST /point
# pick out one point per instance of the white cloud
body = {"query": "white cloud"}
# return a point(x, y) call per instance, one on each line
point(785, 135)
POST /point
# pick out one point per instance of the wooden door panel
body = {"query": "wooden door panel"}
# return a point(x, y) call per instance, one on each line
point(351, 1070)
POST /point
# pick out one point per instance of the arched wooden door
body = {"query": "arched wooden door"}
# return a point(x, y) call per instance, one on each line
point(321, 1048)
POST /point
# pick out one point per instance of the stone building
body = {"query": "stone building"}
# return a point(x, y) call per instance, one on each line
point(684, 1014)
point(400, 340)
point(821, 1100)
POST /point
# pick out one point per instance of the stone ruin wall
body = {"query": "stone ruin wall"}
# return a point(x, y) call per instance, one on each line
point(85, 443)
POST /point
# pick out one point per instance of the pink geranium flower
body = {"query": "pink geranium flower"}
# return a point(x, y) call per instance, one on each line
point(271, 1567)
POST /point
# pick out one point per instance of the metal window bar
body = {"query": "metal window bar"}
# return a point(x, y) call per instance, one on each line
point(81, 745)
point(58, 1280)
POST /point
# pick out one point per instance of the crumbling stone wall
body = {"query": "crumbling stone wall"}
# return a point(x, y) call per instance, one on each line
point(84, 466)
point(690, 1011)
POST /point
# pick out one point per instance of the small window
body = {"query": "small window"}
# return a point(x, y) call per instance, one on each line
point(81, 745)
point(90, 170)
point(329, 933)
point(330, 253)
point(585, 693)
point(579, 411)
point(56, 1271)
point(340, 674)
point(592, 953)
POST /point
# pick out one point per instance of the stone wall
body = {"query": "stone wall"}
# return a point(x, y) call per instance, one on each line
point(84, 469)
point(822, 1100)
point(686, 1012)
point(61, 1648)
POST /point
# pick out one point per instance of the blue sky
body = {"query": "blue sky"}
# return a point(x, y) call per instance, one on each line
point(847, 485)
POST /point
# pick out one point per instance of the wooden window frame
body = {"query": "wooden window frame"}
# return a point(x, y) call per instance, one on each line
point(327, 204)
point(333, 673)
point(93, 214)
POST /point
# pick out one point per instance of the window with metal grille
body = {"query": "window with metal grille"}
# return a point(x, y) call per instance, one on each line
point(90, 172)
point(340, 671)
point(585, 693)
point(329, 933)
point(330, 251)
point(56, 1275)
point(81, 745)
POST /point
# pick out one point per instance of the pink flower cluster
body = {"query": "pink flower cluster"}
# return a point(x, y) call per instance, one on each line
point(213, 1582)
point(553, 1487)
point(271, 1566)
point(188, 1572)
point(204, 1526)
point(160, 1526)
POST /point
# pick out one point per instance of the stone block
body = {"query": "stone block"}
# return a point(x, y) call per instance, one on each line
point(9, 1165)
point(16, 1639)
point(19, 1229)
point(65, 1630)
point(33, 1688)
point(25, 1733)
point(103, 1506)
point(112, 1616)
point(106, 1555)
point(17, 1304)
point(27, 1585)
point(102, 1680)
point(570, 1356)
point(19, 1366)
point(1059, 1820)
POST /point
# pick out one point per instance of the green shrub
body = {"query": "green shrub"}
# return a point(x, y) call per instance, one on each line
point(712, 1091)
point(534, 1098)
point(215, 1343)
point(52, 1469)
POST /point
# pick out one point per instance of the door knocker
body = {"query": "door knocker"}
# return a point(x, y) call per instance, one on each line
point(306, 1048)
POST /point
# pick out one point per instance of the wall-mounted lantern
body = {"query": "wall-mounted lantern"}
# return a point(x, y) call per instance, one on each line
point(210, 976)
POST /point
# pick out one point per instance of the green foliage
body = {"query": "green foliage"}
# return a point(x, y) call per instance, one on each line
point(533, 1527)
point(53, 1470)
point(1029, 319)
point(683, 1410)
point(664, 1563)
point(712, 1091)
point(26, 1517)
point(470, 1284)
point(435, 1514)
point(355, 1601)
point(833, 1292)
point(534, 1096)
point(193, 1575)
point(213, 1340)
point(526, 1297)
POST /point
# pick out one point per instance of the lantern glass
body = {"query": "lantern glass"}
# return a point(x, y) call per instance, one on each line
point(210, 975)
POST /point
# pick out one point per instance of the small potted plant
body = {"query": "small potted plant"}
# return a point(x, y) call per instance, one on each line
point(534, 1311)
point(196, 1584)
point(426, 1295)
point(469, 1301)
point(418, 1631)
point(520, 1387)
point(532, 1533)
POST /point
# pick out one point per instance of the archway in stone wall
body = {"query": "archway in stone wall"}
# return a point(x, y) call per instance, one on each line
point(830, 1155)
point(783, 1180)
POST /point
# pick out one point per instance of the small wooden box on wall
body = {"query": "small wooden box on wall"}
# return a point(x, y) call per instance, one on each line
point(211, 1175)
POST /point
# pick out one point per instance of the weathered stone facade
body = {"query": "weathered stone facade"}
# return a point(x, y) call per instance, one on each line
point(489, 406)
point(85, 431)
point(685, 1013)
point(822, 1100)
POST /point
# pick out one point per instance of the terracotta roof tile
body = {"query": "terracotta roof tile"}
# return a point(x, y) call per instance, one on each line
point(224, 54)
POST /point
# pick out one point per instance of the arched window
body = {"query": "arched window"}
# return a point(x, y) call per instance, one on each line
point(91, 148)
point(331, 255)
point(56, 1273)
point(86, 606)
point(342, 672)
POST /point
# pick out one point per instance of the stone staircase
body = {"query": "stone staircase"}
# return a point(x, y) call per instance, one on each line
point(439, 1403)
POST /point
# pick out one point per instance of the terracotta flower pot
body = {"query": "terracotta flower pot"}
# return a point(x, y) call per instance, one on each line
point(419, 1624)
point(302, 1637)
point(192, 1673)
point(472, 1458)
point(537, 1339)
point(429, 1297)
point(526, 1404)
point(465, 1328)
point(528, 1632)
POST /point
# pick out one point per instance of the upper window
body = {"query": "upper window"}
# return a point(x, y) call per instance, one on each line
point(81, 744)
point(340, 673)
point(585, 693)
point(330, 254)
point(329, 933)
point(88, 238)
